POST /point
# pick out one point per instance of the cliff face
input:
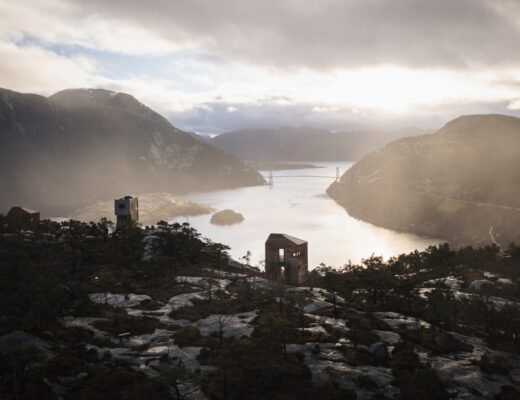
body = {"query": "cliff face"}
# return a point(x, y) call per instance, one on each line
point(78, 146)
point(461, 183)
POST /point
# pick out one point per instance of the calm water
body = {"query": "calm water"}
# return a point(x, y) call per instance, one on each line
point(300, 207)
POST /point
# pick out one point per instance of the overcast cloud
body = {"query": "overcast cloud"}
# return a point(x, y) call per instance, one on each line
point(335, 33)
point(213, 66)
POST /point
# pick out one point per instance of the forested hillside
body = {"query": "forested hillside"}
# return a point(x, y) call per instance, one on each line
point(461, 183)
point(163, 313)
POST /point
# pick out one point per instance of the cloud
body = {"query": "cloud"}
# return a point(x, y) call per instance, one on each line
point(56, 22)
point(514, 105)
point(208, 99)
point(33, 69)
point(213, 118)
point(320, 109)
point(299, 33)
point(215, 66)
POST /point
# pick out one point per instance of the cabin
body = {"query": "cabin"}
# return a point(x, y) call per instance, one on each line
point(126, 210)
point(286, 258)
point(23, 219)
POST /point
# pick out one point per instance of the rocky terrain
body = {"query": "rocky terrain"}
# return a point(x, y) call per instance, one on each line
point(78, 146)
point(460, 183)
point(160, 313)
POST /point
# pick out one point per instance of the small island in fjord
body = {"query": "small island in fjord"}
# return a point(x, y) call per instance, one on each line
point(226, 217)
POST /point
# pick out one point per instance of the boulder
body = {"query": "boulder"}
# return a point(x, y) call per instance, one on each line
point(379, 350)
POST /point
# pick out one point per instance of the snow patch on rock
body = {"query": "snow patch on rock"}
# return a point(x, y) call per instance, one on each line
point(233, 325)
point(397, 321)
point(119, 300)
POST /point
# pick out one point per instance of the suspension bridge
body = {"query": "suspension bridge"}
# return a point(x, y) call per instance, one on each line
point(270, 177)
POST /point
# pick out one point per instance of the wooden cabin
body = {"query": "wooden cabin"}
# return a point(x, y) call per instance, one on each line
point(286, 258)
point(23, 219)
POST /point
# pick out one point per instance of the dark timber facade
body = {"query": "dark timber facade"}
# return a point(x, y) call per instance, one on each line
point(20, 218)
point(286, 257)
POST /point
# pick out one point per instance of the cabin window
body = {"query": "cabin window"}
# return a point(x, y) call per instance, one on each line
point(121, 206)
point(281, 255)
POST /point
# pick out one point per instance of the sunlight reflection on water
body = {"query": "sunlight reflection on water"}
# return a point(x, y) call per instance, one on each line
point(299, 207)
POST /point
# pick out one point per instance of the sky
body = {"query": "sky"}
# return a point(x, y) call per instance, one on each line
point(212, 66)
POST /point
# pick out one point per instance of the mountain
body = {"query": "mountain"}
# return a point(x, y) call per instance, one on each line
point(81, 145)
point(461, 183)
point(305, 144)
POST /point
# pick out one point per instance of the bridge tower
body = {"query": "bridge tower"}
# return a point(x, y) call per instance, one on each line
point(270, 180)
point(337, 174)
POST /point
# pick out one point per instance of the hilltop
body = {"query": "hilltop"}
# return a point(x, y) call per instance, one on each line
point(461, 183)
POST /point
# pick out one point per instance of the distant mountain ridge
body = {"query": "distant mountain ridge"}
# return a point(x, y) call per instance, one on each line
point(83, 145)
point(305, 143)
point(461, 183)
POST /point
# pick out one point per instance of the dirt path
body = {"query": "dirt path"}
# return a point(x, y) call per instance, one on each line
point(492, 205)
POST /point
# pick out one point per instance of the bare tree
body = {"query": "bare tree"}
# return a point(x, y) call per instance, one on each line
point(177, 377)
point(222, 321)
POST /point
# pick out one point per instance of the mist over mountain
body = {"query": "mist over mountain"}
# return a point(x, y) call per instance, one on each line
point(81, 145)
point(461, 183)
point(305, 143)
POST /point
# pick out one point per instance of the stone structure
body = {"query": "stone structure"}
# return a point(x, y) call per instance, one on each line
point(20, 218)
point(127, 210)
point(286, 257)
